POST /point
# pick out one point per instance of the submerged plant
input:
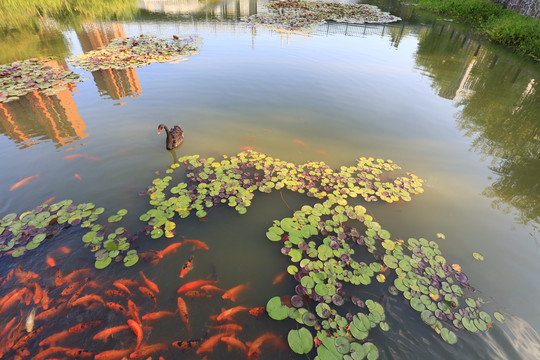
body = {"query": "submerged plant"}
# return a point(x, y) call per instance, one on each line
point(138, 51)
point(298, 15)
point(22, 77)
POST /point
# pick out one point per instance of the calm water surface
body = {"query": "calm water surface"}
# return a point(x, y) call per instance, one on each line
point(458, 112)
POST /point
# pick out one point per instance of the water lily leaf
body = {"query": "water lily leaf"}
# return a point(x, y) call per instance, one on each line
point(300, 341)
point(156, 233)
point(131, 260)
point(448, 336)
point(500, 317)
point(478, 256)
point(18, 252)
point(321, 289)
point(342, 345)
point(101, 264)
point(428, 317)
point(110, 245)
point(276, 310)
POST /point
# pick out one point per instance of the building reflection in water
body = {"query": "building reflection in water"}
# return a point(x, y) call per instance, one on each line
point(228, 9)
point(112, 83)
point(37, 117)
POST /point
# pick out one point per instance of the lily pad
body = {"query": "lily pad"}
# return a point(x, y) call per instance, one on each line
point(300, 341)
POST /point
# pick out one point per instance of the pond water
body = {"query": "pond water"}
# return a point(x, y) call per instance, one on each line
point(460, 113)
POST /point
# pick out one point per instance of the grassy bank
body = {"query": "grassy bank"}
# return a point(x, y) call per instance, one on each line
point(506, 27)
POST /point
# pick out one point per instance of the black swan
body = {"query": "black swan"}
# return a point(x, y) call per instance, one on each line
point(174, 137)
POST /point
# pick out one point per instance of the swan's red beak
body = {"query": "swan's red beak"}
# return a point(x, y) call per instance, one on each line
point(159, 131)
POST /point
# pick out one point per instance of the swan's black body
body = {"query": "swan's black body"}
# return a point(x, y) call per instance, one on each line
point(174, 137)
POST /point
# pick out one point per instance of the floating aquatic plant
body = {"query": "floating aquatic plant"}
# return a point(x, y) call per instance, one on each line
point(139, 51)
point(320, 242)
point(305, 16)
point(24, 232)
point(22, 77)
point(234, 181)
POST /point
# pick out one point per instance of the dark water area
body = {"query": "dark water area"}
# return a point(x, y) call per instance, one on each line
point(459, 112)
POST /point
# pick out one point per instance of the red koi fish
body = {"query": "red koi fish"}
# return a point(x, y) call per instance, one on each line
point(148, 350)
point(257, 311)
point(47, 352)
point(171, 249)
point(299, 142)
point(22, 342)
point(79, 353)
point(234, 343)
point(84, 326)
point(48, 201)
point(24, 276)
point(229, 313)
point(23, 181)
point(151, 285)
point(233, 293)
point(64, 249)
point(45, 300)
point(50, 313)
point(133, 311)
point(187, 266)
point(227, 328)
point(137, 330)
point(77, 273)
point(194, 285)
point(7, 303)
point(50, 262)
point(247, 148)
point(38, 293)
point(128, 282)
point(85, 300)
point(113, 354)
point(209, 288)
point(54, 338)
point(210, 343)
point(279, 278)
point(105, 334)
point(148, 293)
point(117, 308)
point(79, 156)
point(322, 152)
point(157, 315)
point(115, 293)
point(78, 177)
point(198, 244)
point(276, 340)
point(184, 315)
point(122, 287)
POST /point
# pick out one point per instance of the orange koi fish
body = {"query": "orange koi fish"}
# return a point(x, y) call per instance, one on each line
point(152, 286)
point(50, 313)
point(279, 278)
point(137, 330)
point(70, 289)
point(247, 148)
point(187, 266)
point(78, 177)
point(121, 287)
point(171, 249)
point(104, 335)
point(209, 344)
point(48, 201)
point(186, 344)
point(157, 315)
point(71, 276)
point(208, 288)
point(299, 142)
point(64, 249)
point(184, 315)
point(59, 279)
point(24, 276)
point(133, 311)
point(85, 300)
point(229, 313)
point(233, 293)
point(228, 328)
point(194, 285)
point(256, 344)
point(115, 293)
point(45, 300)
point(47, 352)
point(23, 181)
point(234, 343)
point(117, 308)
point(113, 354)
point(50, 261)
point(22, 342)
point(78, 353)
point(8, 277)
point(79, 156)
point(38, 293)
point(147, 350)
point(198, 244)
point(128, 282)
point(54, 338)
point(197, 294)
point(148, 293)
point(75, 295)
point(83, 326)
point(12, 300)
point(257, 311)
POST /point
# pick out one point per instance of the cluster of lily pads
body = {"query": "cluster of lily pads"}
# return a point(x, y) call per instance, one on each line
point(305, 16)
point(25, 232)
point(233, 181)
point(137, 51)
point(319, 241)
point(22, 77)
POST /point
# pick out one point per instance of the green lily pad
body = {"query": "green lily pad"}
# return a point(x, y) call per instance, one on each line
point(131, 260)
point(300, 341)
point(276, 310)
point(156, 233)
point(101, 264)
point(478, 256)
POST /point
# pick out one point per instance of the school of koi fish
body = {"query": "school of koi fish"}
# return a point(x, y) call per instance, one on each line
point(43, 315)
